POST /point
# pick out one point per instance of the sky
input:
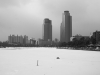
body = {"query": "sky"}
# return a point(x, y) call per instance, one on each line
point(25, 17)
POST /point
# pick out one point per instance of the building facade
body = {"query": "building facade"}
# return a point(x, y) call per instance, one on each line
point(66, 27)
point(32, 41)
point(12, 39)
point(96, 35)
point(44, 43)
point(25, 39)
point(47, 30)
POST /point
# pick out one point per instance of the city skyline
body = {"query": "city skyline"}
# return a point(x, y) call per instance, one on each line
point(25, 17)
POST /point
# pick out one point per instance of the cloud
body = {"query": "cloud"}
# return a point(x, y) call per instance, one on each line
point(76, 6)
point(6, 3)
point(26, 16)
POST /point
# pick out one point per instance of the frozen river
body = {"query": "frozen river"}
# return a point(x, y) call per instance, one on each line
point(23, 61)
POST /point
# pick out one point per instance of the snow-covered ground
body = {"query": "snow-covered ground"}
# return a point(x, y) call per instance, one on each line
point(23, 61)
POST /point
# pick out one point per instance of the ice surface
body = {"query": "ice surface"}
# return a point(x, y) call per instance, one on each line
point(23, 61)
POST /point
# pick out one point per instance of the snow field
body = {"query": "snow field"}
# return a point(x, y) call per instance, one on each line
point(23, 61)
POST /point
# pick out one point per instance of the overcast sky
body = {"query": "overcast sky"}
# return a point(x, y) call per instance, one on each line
point(25, 17)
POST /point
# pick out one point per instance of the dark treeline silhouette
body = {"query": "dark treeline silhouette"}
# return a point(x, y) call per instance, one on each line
point(6, 44)
point(82, 43)
point(77, 44)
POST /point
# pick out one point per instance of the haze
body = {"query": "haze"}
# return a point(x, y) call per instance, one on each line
point(25, 17)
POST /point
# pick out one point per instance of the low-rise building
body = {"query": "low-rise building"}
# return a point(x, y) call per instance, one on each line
point(44, 43)
point(96, 35)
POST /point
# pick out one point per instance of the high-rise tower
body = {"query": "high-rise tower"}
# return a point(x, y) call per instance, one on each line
point(47, 30)
point(66, 27)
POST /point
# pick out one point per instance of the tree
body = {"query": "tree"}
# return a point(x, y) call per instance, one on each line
point(62, 44)
point(93, 40)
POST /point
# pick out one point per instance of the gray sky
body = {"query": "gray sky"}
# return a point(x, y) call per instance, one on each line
point(25, 17)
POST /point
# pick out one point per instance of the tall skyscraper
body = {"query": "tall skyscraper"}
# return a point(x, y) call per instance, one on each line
point(47, 30)
point(66, 27)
